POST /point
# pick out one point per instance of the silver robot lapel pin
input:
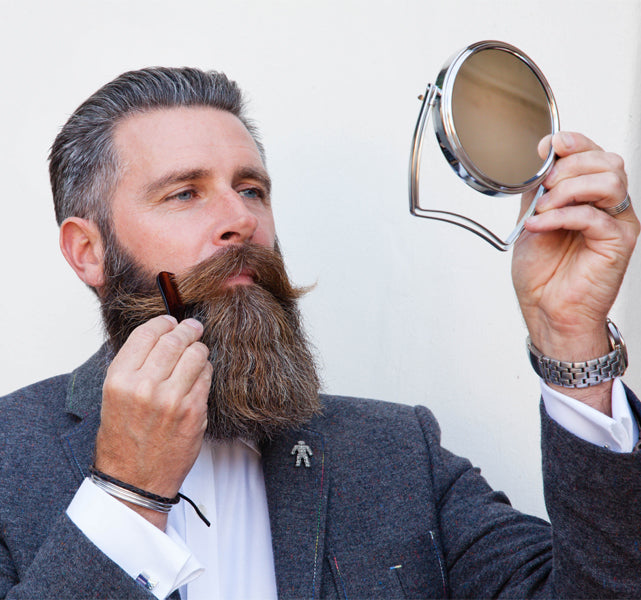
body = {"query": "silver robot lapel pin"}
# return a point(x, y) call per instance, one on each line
point(302, 452)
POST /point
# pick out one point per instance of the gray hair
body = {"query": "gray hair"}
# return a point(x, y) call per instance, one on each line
point(83, 163)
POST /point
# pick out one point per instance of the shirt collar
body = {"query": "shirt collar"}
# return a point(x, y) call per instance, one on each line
point(251, 444)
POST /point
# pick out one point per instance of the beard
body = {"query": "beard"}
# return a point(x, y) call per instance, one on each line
point(264, 377)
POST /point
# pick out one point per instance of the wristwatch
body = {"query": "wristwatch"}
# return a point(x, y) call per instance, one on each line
point(582, 374)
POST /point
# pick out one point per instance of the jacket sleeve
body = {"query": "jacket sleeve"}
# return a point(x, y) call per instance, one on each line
point(42, 553)
point(67, 565)
point(492, 550)
point(593, 497)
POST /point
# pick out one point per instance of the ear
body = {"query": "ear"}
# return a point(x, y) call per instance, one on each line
point(82, 247)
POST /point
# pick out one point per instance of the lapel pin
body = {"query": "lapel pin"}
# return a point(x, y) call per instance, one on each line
point(303, 452)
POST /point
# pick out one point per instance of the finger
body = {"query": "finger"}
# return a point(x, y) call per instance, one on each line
point(604, 190)
point(193, 404)
point(584, 163)
point(544, 146)
point(164, 356)
point(198, 396)
point(141, 341)
point(567, 142)
point(595, 224)
point(189, 367)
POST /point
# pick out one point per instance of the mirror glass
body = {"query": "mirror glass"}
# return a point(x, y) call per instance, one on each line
point(500, 111)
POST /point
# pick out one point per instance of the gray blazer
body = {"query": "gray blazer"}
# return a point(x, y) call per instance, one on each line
point(383, 511)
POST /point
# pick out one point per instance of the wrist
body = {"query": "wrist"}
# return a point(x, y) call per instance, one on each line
point(598, 397)
point(588, 380)
point(570, 341)
point(157, 519)
point(140, 473)
point(149, 505)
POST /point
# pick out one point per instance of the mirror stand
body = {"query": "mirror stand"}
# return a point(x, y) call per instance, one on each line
point(430, 99)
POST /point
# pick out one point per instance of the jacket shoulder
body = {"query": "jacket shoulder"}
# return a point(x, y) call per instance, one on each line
point(34, 409)
point(367, 419)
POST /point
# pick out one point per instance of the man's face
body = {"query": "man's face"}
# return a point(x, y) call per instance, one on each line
point(191, 183)
point(193, 198)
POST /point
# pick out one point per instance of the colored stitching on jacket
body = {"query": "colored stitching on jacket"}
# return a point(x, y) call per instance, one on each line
point(318, 522)
point(340, 578)
point(440, 564)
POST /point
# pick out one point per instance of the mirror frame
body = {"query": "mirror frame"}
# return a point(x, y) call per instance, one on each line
point(438, 97)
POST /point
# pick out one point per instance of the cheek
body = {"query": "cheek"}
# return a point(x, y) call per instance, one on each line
point(160, 248)
point(265, 237)
point(266, 233)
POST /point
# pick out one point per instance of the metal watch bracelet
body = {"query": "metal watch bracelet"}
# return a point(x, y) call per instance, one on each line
point(586, 373)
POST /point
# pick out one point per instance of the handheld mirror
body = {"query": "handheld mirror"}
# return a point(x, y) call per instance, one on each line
point(491, 105)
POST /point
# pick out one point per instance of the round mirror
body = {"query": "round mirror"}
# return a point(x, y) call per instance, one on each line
point(495, 106)
point(492, 106)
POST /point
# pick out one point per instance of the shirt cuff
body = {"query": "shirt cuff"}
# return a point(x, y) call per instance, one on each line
point(158, 561)
point(618, 433)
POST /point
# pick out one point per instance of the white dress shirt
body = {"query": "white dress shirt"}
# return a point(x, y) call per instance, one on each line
point(619, 433)
point(233, 559)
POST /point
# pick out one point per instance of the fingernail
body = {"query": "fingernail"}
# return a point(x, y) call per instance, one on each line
point(546, 142)
point(542, 201)
point(193, 323)
point(170, 319)
point(567, 140)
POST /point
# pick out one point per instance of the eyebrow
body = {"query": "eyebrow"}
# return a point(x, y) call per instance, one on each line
point(258, 174)
point(173, 178)
point(183, 176)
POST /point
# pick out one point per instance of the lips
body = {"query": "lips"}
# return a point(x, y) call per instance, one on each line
point(243, 277)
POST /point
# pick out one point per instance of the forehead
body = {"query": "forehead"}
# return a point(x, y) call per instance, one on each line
point(176, 137)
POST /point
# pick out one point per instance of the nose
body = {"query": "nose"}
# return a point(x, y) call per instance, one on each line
point(235, 222)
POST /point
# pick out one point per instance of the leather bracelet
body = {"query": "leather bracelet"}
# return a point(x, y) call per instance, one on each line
point(130, 493)
point(125, 491)
point(582, 374)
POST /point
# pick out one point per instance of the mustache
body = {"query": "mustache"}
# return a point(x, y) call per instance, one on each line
point(265, 266)
point(207, 282)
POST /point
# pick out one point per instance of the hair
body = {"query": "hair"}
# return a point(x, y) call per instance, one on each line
point(83, 162)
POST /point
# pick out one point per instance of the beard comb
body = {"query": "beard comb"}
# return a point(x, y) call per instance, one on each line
point(166, 283)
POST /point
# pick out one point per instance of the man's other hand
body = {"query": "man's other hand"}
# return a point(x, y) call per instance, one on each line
point(568, 265)
point(154, 408)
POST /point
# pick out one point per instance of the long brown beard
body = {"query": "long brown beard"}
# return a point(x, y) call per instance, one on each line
point(265, 378)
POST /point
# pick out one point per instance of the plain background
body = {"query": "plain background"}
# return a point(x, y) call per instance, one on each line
point(404, 309)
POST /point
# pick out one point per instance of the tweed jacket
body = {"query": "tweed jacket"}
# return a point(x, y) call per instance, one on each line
point(382, 512)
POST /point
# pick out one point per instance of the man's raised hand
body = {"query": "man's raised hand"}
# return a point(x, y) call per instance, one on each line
point(568, 265)
point(154, 408)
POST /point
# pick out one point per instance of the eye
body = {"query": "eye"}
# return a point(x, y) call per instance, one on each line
point(183, 195)
point(253, 193)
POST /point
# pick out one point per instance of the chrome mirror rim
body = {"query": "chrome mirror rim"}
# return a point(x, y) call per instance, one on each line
point(448, 137)
point(462, 165)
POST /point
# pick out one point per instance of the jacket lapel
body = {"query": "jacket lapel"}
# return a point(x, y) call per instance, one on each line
point(297, 500)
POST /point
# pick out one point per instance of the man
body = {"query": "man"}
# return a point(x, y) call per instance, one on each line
point(161, 171)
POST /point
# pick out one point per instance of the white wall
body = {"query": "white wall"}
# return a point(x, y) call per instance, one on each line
point(405, 309)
